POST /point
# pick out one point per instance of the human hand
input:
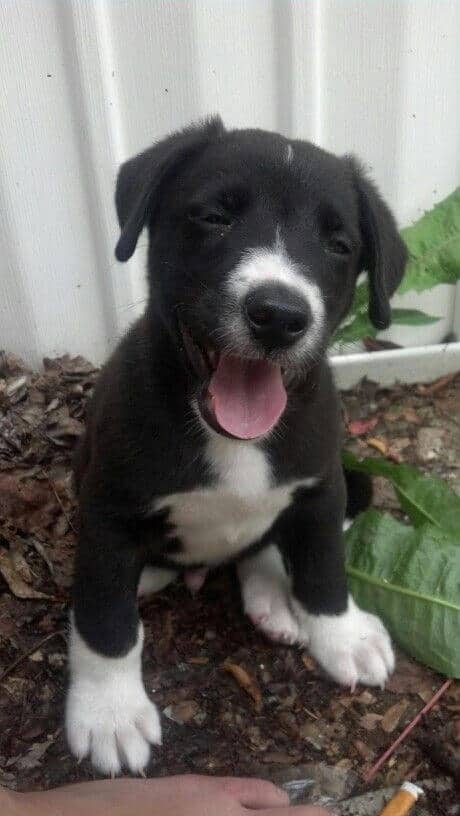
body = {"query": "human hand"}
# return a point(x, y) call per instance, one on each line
point(172, 796)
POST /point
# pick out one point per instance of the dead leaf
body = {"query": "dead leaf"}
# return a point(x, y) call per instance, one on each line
point(453, 692)
point(198, 661)
point(374, 344)
point(410, 415)
point(359, 427)
point(437, 385)
point(309, 663)
point(397, 446)
point(379, 444)
point(366, 698)
point(369, 721)
point(28, 504)
point(365, 751)
point(410, 677)
point(246, 681)
point(16, 584)
point(34, 756)
point(430, 443)
point(314, 733)
point(182, 712)
point(392, 717)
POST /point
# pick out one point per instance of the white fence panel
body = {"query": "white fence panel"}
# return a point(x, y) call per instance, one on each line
point(86, 83)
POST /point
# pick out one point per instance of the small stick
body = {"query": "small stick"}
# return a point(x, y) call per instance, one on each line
point(59, 501)
point(437, 385)
point(371, 772)
point(30, 652)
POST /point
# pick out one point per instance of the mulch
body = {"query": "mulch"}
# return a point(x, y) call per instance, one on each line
point(232, 702)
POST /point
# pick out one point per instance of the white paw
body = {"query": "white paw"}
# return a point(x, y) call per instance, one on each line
point(265, 591)
point(273, 617)
point(108, 714)
point(113, 726)
point(352, 648)
point(154, 579)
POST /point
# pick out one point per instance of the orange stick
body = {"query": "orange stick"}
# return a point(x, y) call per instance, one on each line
point(369, 774)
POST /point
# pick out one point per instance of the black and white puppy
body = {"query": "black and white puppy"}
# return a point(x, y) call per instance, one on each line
point(214, 433)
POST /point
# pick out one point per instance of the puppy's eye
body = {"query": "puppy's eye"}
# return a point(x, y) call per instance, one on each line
point(211, 219)
point(338, 245)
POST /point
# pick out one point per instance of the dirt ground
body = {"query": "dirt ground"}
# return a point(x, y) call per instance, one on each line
point(232, 703)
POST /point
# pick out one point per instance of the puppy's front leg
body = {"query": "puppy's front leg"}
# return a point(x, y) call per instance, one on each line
point(350, 644)
point(108, 714)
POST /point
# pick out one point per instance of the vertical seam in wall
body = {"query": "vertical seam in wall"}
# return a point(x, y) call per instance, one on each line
point(107, 59)
point(317, 71)
point(284, 65)
point(115, 128)
point(96, 17)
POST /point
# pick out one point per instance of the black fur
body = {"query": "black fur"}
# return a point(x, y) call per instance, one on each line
point(206, 195)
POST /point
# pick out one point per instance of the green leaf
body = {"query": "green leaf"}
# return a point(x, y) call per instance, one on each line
point(412, 317)
point(411, 579)
point(360, 326)
point(434, 247)
point(425, 499)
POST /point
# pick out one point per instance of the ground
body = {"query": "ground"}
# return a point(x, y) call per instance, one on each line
point(232, 702)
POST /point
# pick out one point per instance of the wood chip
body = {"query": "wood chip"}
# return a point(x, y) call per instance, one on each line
point(182, 712)
point(379, 444)
point(365, 751)
point(392, 717)
point(309, 663)
point(247, 682)
point(369, 721)
point(410, 415)
point(358, 427)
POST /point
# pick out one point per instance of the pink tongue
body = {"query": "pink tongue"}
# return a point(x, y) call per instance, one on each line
point(248, 396)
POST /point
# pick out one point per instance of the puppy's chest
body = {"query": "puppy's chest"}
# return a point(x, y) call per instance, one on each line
point(216, 523)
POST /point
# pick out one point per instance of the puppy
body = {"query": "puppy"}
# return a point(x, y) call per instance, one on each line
point(214, 433)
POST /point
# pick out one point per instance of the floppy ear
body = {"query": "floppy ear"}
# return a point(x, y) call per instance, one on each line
point(140, 179)
point(384, 254)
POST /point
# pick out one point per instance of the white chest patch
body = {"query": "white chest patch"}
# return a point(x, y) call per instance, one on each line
point(218, 522)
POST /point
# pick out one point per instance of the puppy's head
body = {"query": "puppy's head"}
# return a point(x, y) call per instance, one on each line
point(255, 246)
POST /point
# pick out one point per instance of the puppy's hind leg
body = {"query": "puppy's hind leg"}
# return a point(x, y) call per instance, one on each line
point(265, 589)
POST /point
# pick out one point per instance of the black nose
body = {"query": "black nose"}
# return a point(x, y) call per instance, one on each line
point(277, 316)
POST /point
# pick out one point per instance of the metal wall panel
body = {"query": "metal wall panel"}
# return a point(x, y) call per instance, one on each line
point(85, 83)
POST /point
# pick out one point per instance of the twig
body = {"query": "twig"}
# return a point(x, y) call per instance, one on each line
point(437, 385)
point(371, 772)
point(59, 501)
point(310, 713)
point(31, 652)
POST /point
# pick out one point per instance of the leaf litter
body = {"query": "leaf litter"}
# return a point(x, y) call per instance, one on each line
point(272, 714)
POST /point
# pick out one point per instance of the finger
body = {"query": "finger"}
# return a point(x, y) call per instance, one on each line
point(302, 810)
point(254, 793)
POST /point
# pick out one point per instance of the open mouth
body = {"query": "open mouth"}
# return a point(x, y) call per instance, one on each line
point(238, 397)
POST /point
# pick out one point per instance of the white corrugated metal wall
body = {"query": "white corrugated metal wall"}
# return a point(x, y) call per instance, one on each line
point(86, 83)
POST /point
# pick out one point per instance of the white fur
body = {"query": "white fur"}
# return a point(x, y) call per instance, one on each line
point(108, 714)
point(275, 266)
point(265, 589)
point(352, 648)
point(154, 579)
point(216, 523)
point(289, 154)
